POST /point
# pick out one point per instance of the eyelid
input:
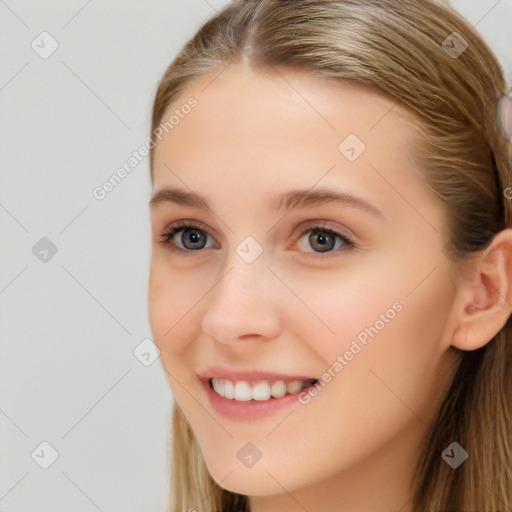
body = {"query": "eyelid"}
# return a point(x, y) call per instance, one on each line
point(327, 226)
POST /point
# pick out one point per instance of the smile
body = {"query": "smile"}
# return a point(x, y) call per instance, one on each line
point(243, 391)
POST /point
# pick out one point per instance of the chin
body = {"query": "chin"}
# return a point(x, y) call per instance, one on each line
point(246, 481)
point(251, 486)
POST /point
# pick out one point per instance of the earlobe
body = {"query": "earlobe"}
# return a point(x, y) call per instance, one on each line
point(483, 303)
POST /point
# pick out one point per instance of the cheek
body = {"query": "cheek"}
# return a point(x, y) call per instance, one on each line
point(168, 302)
point(174, 300)
point(418, 357)
point(400, 370)
point(379, 320)
point(357, 302)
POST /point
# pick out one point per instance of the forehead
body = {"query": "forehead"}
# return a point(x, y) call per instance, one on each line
point(241, 103)
point(267, 130)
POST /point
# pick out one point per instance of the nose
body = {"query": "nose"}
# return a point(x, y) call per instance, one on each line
point(243, 304)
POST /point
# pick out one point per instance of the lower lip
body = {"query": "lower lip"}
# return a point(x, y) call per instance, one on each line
point(250, 409)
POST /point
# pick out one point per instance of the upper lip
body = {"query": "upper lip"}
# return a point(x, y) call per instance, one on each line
point(250, 376)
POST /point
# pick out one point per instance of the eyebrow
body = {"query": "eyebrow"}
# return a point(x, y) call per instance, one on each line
point(292, 199)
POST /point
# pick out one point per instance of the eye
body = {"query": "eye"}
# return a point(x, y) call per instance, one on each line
point(192, 237)
point(188, 237)
point(323, 239)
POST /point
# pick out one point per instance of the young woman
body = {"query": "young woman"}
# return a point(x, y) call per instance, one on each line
point(331, 273)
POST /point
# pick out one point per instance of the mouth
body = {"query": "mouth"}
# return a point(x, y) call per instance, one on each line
point(263, 390)
point(250, 394)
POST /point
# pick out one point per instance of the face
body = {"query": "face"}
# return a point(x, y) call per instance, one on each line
point(316, 254)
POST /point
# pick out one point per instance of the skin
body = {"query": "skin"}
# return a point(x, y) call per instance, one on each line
point(294, 309)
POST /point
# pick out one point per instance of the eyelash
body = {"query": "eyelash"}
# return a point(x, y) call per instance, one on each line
point(168, 235)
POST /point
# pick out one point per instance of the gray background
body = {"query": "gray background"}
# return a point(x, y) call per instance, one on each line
point(69, 325)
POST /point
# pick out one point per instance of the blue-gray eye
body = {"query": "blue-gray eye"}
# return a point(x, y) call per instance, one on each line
point(196, 238)
point(192, 238)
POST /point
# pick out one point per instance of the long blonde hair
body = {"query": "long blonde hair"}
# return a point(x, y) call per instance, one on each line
point(397, 47)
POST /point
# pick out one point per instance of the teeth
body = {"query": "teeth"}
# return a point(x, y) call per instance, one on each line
point(243, 392)
point(261, 391)
point(218, 386)
point(278, 389)
point(229, 389)
point(294, 386)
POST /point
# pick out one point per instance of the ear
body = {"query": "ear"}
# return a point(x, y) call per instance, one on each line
point(483, 301)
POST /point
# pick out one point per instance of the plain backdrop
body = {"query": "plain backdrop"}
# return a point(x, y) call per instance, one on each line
point(74, 396)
